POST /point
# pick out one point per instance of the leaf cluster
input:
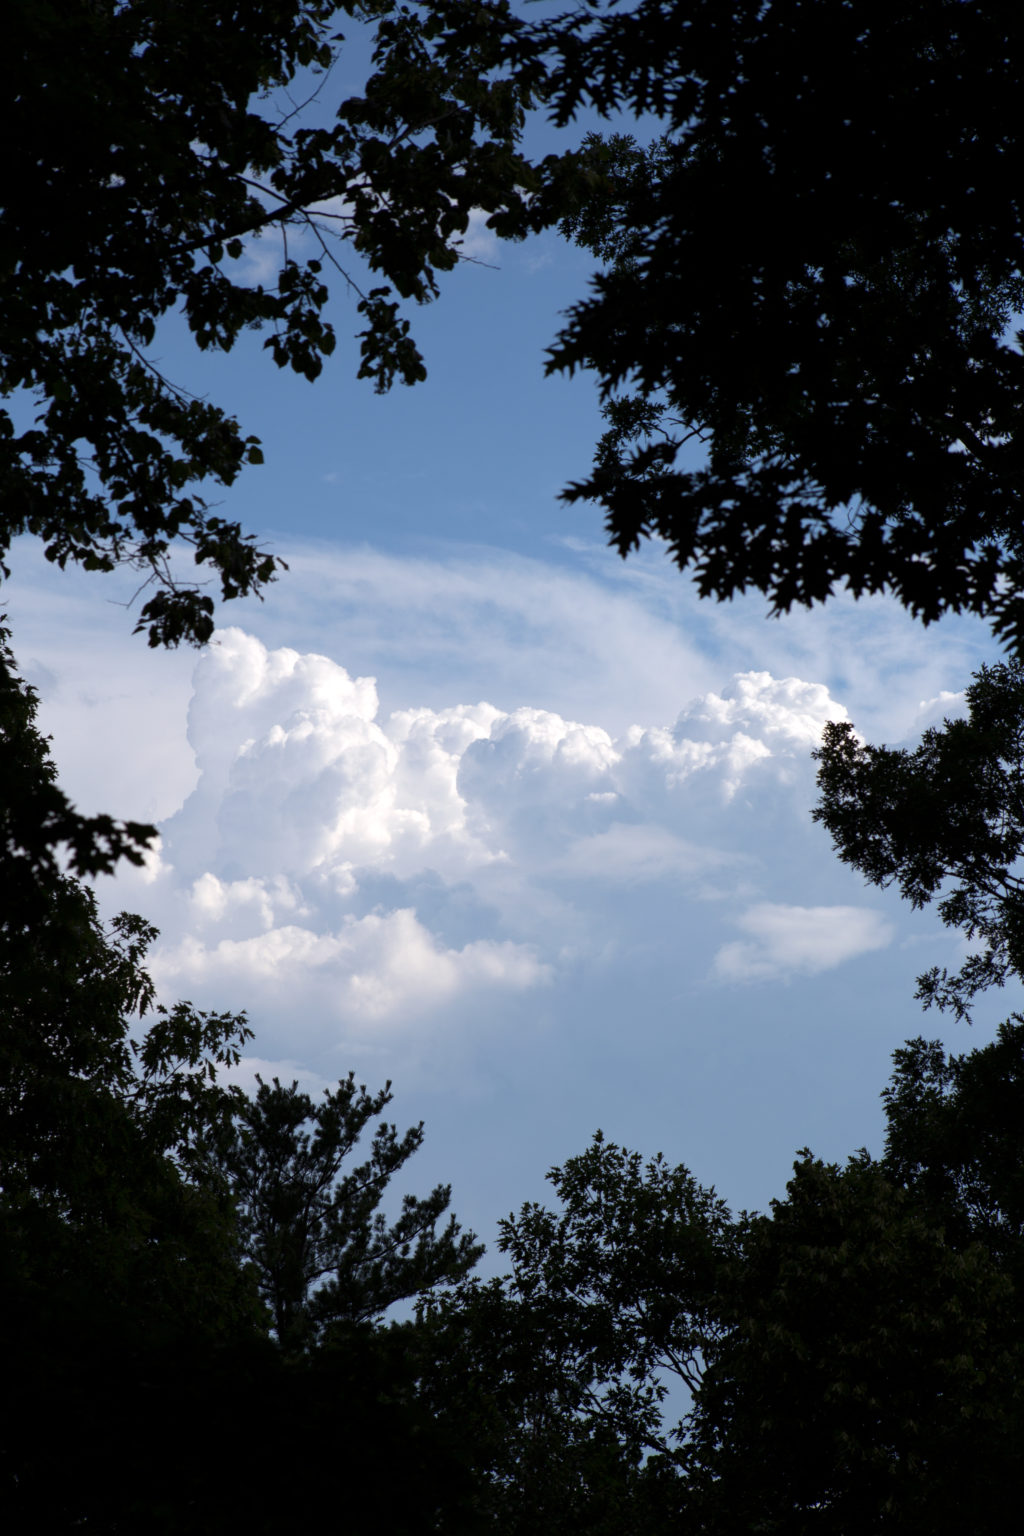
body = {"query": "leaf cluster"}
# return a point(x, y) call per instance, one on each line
point(944, 822)
point(814, 270)
point(147, 146)
point(953, 1137)
point(851, 1360)
point(325, 1255)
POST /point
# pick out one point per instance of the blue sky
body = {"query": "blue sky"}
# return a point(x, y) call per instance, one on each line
point(553, 870)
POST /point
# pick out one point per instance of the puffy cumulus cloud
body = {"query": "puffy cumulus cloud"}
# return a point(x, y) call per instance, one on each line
point(367, 870)
point(378, 967)
point(535, 780)
point(758, 719)
point(734, 764)
point(298, 777)
point(240, 905)
point(539, 783)
point(788, 940)
point(786, 711)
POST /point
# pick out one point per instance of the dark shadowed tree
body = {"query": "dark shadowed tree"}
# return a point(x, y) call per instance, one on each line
point(944, 822)
point(954, 1137)
point(869, 1378)
point(141, 1391)
point(105, 1137)
point(119, 1256)
point(560, 1372)
point(325, 1255)
point(147, 141)
point(849, 1362)
point(813, 274)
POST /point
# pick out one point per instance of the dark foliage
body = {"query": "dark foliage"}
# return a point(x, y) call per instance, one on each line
point(850, 1362)
point(815, 273)
point(145, 142)
point(105, 1172)
point(325, 1256)
point(868, 1380)
point(945, 821)
point(955, 1138)
point(39, 827)
point(200, 1441)
point(148, 1214)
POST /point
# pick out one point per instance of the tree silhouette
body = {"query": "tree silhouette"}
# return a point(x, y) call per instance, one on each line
point(325, 1255)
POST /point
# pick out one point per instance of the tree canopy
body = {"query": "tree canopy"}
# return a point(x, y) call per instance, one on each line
point(145, 1206)
point(813, 269)
point(323, 1252)
point(953, 1137)
point(849, 1361)
point(942, 821)
point(145, 145)
point(814, 273)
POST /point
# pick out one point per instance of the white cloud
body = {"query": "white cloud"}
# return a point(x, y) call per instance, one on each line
point(485, 623)
point(299, 778)
point(479, 243)
point(587, 636)
point(799, 940)
point(785, 711)
point(241, 904)
point(543, 794)
point(946, 705)
point(263, 257)
point(248, 1068)
point(370, 870)
point(756, 720)
point(384, 966)
point(639, 853)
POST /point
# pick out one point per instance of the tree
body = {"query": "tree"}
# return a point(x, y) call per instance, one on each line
point(872, 1376)
point(812, 273)
point(946, 821)
point(849, 1361)
point(869, 1376)
point(105, 1138)
point(146, 142)
point(118, 1249)
point(141, 1390)
point(120, 1267)
point(325, 1256)
point(953, 1137)
point(558, 1373)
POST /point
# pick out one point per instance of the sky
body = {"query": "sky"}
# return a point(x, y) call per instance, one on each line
point(471, 804)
